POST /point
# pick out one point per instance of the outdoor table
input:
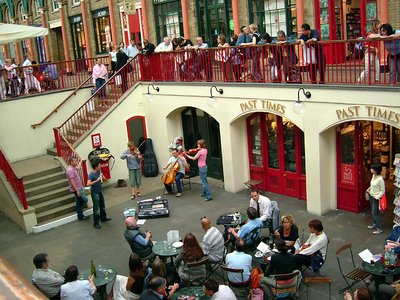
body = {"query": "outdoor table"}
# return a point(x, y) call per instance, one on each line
point(227, 221)
point(164, 249)
point(102, 278)
point(197, 291)
point(376, 272)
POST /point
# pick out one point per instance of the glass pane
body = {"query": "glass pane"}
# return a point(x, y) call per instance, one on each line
point(289, 145)
point(303, 153)
point(272, 134)
point(347, 144)
point(366, 131)
point(324, 19)
point(256, 152)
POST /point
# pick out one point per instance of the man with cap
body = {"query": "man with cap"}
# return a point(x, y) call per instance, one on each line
point(139, 241)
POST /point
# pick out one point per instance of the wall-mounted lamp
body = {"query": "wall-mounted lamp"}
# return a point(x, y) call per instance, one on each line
point(212, 101)
point(298, 106)
point(149, 96)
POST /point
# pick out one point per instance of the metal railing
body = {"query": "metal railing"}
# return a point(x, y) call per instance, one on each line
point(15, 181)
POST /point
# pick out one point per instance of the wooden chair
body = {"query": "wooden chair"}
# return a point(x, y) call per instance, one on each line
point(355, 274)
point(318, 280)
point(189, 174)
point(201, 262)
point(286, 285)
point(243, 286)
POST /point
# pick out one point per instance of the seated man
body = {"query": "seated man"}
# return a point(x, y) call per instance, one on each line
point(239, 260)
point(157, 290)
point(181, 161)
point(46, 280)
point(213, 241)
point(393, 240)
point(245, 232)
point(218, 292)
point(262, 205)
point(139, 242)
point(313, 252)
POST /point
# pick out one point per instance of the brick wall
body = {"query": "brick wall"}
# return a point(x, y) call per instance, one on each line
point(394, 13)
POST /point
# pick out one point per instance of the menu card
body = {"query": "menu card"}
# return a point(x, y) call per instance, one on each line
point(367, 256)
point(263, 247)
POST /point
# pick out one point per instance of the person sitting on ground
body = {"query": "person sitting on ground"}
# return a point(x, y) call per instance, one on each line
point(77, 289)
point(281, 263)
point(239, 260)
point(159, 269)
point(139, 241)
point(218, 292)
point(262, 205)
point(213, 241)
point(245, 232)
point(360, 294)
point(157, 290)
point(191, 252)
point(288, 232)
point(313, 252)
point(46, 280)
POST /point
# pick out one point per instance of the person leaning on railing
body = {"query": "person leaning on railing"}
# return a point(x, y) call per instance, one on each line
point(393, 47)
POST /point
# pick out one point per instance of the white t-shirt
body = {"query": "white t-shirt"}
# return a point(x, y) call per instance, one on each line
point(224, 293)
point(77, 290)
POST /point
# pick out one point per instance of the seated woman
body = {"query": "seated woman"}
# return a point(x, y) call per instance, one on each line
point(313, 252)
point(288, 232)
point(191, 252)
point(74, 288)
point(132, 286)
point(360, 294)
point(281, 263)
point(159, 269)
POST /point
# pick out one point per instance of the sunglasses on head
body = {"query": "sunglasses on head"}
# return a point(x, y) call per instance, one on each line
point(201, 219)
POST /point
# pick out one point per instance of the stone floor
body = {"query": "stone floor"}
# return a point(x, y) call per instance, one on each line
point(78, 242)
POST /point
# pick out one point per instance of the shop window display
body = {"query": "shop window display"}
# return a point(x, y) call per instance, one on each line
point(256, 151)
point(289, 145)
point(272, 134)
point(102, 34)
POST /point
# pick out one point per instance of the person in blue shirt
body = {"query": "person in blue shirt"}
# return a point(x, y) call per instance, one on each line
point(245, 231)
point(95, 180)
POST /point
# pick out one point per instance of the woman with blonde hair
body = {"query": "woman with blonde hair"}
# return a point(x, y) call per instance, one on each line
point(134, 164)
point(288, 232)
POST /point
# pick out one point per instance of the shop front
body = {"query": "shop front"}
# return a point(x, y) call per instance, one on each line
point(102, 30)
point(78, 37)
point(168, 18)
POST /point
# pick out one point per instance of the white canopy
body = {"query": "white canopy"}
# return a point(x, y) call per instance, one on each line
point(10, 33)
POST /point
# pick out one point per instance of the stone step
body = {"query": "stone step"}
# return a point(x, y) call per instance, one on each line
point(42, 173)
point(48, 187)
point(53, 203)
point(52, 151)
point(57, 212)
point(55, 193)
point(28, 184)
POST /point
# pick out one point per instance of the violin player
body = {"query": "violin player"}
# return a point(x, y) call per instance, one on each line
point(134, 163)
point(176, 164)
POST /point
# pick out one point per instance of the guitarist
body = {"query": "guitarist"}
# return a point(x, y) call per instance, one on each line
point(176, 164)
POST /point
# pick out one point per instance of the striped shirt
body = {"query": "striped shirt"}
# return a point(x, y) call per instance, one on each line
point(213, 244)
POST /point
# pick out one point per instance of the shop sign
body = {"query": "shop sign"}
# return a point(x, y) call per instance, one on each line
point(348, 173)
point(76, 19)
point(263, 104)
point(100, 13)
point(130, 7)
point(162, 1)
point(231, 24)
point(370, 111)
point(96, 140)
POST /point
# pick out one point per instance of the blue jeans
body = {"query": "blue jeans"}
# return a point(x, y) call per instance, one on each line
point(204, 182)
point(375, 212)
point(178, 182)
point(99, 208)
point(80, 202)
point(102, 92)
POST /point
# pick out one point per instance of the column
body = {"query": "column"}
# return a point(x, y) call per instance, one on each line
point(384, 11)
point(46, 37)
point(64, 34)
point(144, 20)
point(186, 34)
point(112, 22)
point(17, 47)
point(29, 41)
point(300, 15)
point(86, 33)
point(6, 51)
point(235, 12)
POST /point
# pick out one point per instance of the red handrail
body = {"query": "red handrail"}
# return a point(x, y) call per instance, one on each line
point(15, 181)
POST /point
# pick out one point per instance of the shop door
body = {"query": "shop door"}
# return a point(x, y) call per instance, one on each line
point(349, 151)
point(136, 128)
point(199, 125)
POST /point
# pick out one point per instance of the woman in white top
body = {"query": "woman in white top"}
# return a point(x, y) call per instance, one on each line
point(376, 190)
point(75, 289)
point(113, 57)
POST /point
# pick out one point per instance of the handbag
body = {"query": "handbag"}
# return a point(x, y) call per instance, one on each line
point(383, 203)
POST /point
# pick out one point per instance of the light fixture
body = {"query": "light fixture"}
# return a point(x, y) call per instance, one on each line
point(212, 101)
point(298, 106)
point(149, 96)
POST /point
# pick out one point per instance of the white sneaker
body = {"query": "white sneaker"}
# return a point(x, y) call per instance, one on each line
point(371, 226)
point(378, 231)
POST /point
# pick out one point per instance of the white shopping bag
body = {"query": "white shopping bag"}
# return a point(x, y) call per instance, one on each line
point(118, 80)
point(309, 54)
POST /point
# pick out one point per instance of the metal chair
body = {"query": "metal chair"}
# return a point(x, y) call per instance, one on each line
point(286, 285)
point(243, 285)
point(214, 265)
point(356, 274)
point(254, 237)
point(317, 273)
point(199, 280)
point(318, 280)
point(189, 174)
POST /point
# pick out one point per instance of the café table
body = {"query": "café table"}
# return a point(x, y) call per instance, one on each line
point(376, 271)
point(103, 277)
point(165, 249)
point(196, 291)
point(228, 220)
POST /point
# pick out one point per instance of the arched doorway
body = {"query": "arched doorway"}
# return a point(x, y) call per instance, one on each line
point(136, 128)
point(277, 154)
point(359, 144)
point(197, 124)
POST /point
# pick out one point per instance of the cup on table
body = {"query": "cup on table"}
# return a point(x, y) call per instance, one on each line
point(372, 262)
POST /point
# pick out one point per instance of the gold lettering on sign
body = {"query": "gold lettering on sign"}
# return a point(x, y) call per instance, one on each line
point(344, 113)
point(248, 105)
point(265, 104)
point(372, 112)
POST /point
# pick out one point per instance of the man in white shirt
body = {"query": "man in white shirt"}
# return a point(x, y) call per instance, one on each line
point(75, 289)
point(176, 158)
point(166, 45)
point(132, 50)
point(30, 79)
point(218, 292)
point(239, 260)
point(213, 241)
point(45, 279)
point(263, 206)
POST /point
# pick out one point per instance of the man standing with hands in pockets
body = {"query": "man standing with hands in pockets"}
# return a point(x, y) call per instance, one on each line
point(76, 187)
point(95, 180)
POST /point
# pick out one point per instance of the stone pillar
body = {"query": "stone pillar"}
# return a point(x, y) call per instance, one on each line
point(186, 33)
point(235, 12)
point(46, 37)
point(17, 46)
point(28, 41)
point(112, 22)
point(384, 11)
point(64, 34)
point(300, 15)
point(86, 33)
point(144, 19)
